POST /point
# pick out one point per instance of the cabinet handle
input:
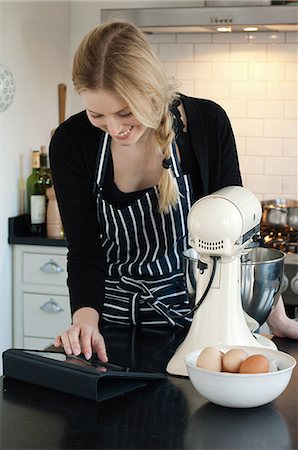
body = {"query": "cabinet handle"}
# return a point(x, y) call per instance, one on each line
point(51, 307)
point(51, 267)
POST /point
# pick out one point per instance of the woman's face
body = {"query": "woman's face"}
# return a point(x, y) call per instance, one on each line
point(112, 114)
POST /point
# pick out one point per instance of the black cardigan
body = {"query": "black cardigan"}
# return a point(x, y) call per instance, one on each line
point(73, 157)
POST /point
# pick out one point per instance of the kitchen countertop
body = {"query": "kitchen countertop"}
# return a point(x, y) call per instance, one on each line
point(165, 414)
point(19, 233)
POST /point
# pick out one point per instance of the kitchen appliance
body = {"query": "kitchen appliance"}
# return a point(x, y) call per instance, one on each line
point(211, 16)
point(277, 234)
point(261, 281)
point(222, 227)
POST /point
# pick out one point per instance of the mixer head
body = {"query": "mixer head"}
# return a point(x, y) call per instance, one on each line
point(225, 222)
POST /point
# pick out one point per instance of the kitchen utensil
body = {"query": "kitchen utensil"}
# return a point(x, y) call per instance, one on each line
point(261, 279)
point(62, 102)
point(222, 226)
point(237, 390)
point(280, 213)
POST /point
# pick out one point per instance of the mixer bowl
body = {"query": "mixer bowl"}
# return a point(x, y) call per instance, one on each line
point(261, 279)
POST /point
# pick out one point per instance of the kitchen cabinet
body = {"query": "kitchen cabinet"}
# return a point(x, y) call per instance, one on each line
point(41, 307)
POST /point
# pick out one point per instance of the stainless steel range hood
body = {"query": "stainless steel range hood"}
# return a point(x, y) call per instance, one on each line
point(208, 19)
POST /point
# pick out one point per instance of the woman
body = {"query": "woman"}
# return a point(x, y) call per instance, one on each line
point(126, 171)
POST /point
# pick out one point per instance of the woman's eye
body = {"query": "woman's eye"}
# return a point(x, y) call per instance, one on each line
point(95, 116)
point(126, 114)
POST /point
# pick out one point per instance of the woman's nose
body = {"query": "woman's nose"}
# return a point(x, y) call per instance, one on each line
point(114, 126)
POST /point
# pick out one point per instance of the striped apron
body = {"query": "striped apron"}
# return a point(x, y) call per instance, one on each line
point(145, 283)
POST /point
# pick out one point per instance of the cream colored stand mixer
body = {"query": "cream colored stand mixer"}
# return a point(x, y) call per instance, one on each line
point(222, 227)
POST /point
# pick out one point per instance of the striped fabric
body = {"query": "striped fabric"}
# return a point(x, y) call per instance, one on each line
point(145, 283)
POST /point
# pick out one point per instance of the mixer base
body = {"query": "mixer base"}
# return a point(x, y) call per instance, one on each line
point(264, 341)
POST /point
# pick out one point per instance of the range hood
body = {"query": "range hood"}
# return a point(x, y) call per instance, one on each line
point(211, 16)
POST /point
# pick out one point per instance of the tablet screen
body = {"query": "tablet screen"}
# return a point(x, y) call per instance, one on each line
point(79, 361)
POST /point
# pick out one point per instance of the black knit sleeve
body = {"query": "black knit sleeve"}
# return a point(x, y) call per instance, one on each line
point(229, 164)
point(73, 159)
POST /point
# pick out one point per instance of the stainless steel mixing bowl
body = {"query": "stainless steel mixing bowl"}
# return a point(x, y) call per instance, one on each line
point(261, 279)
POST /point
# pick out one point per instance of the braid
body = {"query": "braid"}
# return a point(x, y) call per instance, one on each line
point(168, 189)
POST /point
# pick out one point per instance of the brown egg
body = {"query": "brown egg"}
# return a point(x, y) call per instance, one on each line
point(233, 359)
point(255, 364)
point(210, 358)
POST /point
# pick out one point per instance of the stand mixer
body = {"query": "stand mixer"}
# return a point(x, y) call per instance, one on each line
point(222, 227)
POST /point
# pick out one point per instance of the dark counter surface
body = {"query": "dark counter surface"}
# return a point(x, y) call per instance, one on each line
point(166, 414)
point(19, 233)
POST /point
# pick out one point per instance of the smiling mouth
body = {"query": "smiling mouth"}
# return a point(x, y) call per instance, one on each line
point(124, 133)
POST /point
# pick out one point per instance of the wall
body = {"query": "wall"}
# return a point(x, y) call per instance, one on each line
point(34, 39)
point(254, 77)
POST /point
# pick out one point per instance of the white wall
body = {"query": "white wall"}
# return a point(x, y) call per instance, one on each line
point(34, 40)
point(254, 77)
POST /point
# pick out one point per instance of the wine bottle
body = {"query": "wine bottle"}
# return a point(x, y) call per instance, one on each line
point(36, 199)
point(45, 171)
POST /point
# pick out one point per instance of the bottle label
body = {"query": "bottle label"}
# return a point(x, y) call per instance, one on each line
point(38, 209)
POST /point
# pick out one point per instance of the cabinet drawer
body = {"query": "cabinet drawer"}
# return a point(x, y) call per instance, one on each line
point(45, 315)
point(37, 343)
point(41, 268)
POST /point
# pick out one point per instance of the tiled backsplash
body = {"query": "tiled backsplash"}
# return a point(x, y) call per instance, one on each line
point(254, 78)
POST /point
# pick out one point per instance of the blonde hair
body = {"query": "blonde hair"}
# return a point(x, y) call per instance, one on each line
point(116, 56)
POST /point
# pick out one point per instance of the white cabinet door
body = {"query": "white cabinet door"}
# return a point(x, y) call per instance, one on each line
point(45, 316)
point(49, 269)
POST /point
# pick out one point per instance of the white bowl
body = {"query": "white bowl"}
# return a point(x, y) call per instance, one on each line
point(237, 390)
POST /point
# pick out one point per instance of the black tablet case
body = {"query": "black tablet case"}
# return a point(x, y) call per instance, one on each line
point(72, 379)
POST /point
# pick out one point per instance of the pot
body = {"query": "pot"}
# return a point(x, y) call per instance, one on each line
point(261, 280)
point(280, 213)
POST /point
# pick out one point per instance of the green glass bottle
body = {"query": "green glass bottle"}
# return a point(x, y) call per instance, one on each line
point(36, 198)
point(45, 171)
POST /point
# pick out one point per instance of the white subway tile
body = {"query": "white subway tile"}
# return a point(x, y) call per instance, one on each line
point(229, 71)
point(234, 107)
point(161, 37)
point(248, 52)
point(291, 70)
point(252, 165)
point(292, 36)
point(280, 166)
point(280, 128)
point(290, 186)
point(173, 52)
point(291, 109)
point(266, 36)
point(282, 52)
point(194, 70)
point(290, 147)
point(194, 37)
point(229, 38)
point(212, 89)
point(248, 127)
point(248, 89)
point(266, 71)
point(240, 144)
point(265, 108)
point(187, 87)
point(212, 52)
point(171, 68)
point(264, 146)
point(264, 184)
point(286, 90)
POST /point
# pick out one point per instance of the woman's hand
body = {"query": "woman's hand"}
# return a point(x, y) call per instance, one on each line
point(83, 336)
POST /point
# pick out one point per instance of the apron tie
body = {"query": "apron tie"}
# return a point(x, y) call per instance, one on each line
point(159, 296)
